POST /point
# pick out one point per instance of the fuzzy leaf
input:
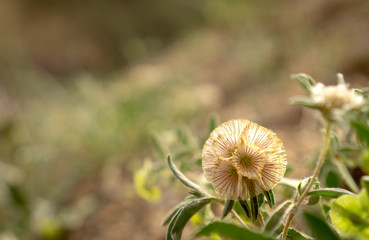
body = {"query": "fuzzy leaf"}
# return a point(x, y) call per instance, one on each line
point(346, 176)
point(350, 213)
point(293, 234)
point(275, 219)
point(196, 190)
point(305, 81)
point(173, 212)
point(172, 224)
point(329, 192)
point(183, 215)
point(332, 179)
point(228, 206)
point(319, 228)
point(230, 231)
point(303, 101)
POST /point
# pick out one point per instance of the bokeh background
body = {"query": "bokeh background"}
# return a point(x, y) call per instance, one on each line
point(84, 85)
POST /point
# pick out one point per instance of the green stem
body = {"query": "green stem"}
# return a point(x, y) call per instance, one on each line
point(311, 182)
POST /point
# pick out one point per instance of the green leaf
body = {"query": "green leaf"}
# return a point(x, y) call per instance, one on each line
point(183, 215)
point(172, 224)
point(228, 206)
point(319, 228)
point(230, 231)
point(276, 218)
point(269, 195)
point(346, 176)
point(196, 190)
point(365, 183)
point(293, 234)
point(350, 214)
point(305, 81)
point(362, 131)
point(303, 101)
point(332, 179)
point(174, 211)
point(329, 192)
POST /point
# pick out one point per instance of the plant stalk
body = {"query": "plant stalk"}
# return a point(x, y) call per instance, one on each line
point(261, 220)
point(235, 214)
point(311, 183)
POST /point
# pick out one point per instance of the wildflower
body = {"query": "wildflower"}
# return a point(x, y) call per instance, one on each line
point(242, 159)
point(337, 99)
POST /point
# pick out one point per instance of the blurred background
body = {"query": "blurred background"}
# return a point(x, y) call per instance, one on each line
point(88, 87)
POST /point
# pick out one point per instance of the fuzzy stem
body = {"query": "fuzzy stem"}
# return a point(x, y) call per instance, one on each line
point(235, 214)
point(261, 219)
point(311, 182)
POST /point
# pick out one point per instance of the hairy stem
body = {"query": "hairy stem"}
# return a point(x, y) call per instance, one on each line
point(235, 214)
point(261, 220)
point(311, 182)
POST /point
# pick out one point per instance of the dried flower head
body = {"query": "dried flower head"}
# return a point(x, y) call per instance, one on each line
point(337, 99)
point(242, 159)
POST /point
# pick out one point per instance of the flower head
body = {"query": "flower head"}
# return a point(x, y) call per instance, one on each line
point(336, 99)
point(242, 159)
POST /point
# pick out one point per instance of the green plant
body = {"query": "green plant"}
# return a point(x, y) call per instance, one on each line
point(235, 160)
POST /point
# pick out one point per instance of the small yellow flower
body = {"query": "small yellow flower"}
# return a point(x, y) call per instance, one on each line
point(242, 159)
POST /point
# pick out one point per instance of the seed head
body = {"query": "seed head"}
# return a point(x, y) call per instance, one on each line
point(242, 159)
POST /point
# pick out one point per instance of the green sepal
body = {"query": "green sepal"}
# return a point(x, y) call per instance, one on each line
point(254, 208)
point(260, 199)
point(269, 195)
point(245, 207)
point(228, 206)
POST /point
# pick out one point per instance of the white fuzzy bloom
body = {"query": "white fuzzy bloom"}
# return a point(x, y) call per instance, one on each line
point(337, 98)
point(242, 159)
